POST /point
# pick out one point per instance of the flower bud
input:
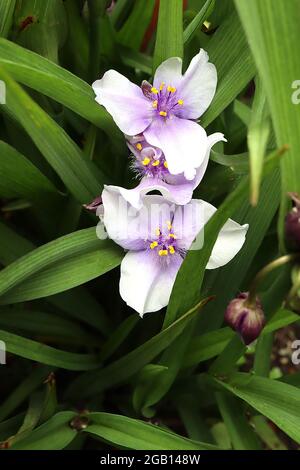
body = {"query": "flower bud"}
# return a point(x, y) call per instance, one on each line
point(245, 318)
point(292, 223)
point(93, 206)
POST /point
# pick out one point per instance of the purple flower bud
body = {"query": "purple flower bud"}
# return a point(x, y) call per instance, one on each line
point(245, 318)
point(93, 206)
point(292, 223)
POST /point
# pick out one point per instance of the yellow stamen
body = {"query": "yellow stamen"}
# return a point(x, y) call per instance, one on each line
point(165, 165)
point(163, 252)
point(154, 104)
point(180, 102)
point(171, 89)
point(153, 245)
point(171, 235)
point(154, 90)
point(172, 250)
point(157, 232)
point(156, 163)
point(163, 113)
point(162, 86)
point(169, 225)
point(146, 161)
point(139, 146)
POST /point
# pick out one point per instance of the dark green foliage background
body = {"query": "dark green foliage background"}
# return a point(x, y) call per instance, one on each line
point(83, 371)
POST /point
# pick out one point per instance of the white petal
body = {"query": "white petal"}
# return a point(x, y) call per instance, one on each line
point(229, 242)
point(168, 72)
point(146, 284)
point(183, 142)
point(123, 223)
point(212, 140)
point(125, 102)
point(188, 225)
point(198, 86)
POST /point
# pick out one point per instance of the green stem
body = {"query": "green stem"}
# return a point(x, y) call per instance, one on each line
point(265, 271)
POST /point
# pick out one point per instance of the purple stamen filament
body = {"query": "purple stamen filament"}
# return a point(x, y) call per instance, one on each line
point(149, 164)
point(165, 242)
point(164, 102)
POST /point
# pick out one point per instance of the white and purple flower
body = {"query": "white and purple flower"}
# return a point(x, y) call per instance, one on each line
point(157, 237)
point(165, 112)
point(150, 164)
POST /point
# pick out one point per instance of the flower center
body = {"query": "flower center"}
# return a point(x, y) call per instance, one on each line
point(165, 100)
point(165, 242)
point(150, 163)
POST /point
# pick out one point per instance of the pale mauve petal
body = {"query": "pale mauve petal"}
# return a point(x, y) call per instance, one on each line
point(198, 86)
point(184, 144)
point(146, 283)
point(189, 225)
point(168, 72)
point(124, 225)
point(178, 194)
point(125, 101)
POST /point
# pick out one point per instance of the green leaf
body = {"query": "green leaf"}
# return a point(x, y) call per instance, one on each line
point(102, 39)
point(20, 178)
point(10, 426)
point(123, 369)
point(268, 435)
point(55, 434)
point(132, 32)
point(151, 389)
point(46, 31)
point(243, 111)
point(6, 16)
point(239, 162)
point(229, 51)
point(64, 249)
point(77, 303)
point(280, 319)
point(66, 274)
point(198, 21)
point(118, 336)
point(120, 11)
point(38, 73)
point(206, 346)
point(277, 401)
point(227, 360)
point(137, 60)
point(240, 432)
point(258, 136)
point(46, 354)
point(150, 377)
point(169, 36)
point(23, 390)
point(80, 304)
point(273, 37)
point(44, 324)
point(12, 245)
point(138, 435)
point(79, 174)
point(263, 352)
